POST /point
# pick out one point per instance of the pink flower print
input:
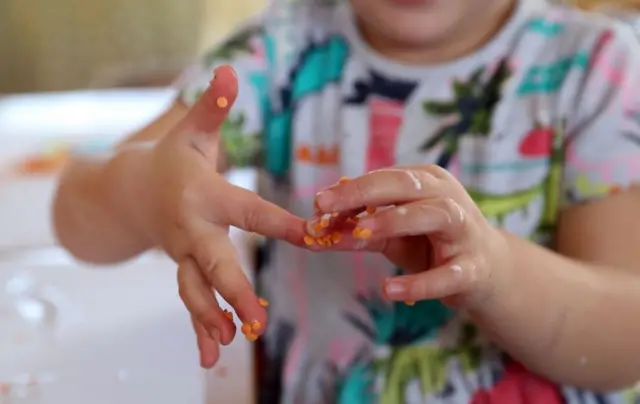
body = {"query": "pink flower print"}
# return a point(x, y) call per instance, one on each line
point(519, 386)
point(385, 122)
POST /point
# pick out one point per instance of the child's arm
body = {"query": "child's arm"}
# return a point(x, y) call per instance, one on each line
point(574, 316)
point(99, 203)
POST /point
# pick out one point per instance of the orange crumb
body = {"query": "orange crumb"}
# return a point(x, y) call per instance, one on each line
point(222, 102)
point(321, 241)
point(308, 240)
point(263, 302)
point(410, 302)
point(371, 209)
point(334, 214)
point(324, 223)
point(317, 227)
point(228, 314)
point(252, 337)
point(256, 326)
point(336, 237)
point(361, 233)
point(327, 240)
point(246, 328)
point(352, 220)
point(343, 180)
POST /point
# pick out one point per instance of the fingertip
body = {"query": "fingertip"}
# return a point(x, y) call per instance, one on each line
point(214, 104)
point(223, 87)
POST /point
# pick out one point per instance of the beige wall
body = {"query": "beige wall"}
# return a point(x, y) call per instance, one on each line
point(66, 44)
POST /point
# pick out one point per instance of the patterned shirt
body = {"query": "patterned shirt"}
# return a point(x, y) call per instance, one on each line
point(540, 117)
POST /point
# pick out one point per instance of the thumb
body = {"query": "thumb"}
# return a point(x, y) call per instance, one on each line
point(203, 121)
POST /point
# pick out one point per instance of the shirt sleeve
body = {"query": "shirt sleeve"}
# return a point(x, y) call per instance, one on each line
point(602, 147)
point(241, 134)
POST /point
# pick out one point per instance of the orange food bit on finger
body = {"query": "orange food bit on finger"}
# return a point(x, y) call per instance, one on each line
point(228, 314)
point(256, 326)
point(251, 337)
point(222, 102)
point(371, 209)
point(410, 302)
point(263, 302)
point(342, 180)
point(336, 237)
point(246, 328)
point(308, 240)
point(361, 233)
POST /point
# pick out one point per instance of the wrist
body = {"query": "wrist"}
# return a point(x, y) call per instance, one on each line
point(128, 178)
point(497, 278)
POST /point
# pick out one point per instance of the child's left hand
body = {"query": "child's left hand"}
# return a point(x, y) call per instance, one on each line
point(425, 223)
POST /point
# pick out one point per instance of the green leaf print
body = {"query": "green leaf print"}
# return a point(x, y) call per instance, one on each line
point(473, 103)
point(439, 108)
point(241, 148)
point(238, 44)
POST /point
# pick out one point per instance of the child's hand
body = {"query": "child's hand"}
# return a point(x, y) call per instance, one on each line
point(425, 223)
point(189, 210)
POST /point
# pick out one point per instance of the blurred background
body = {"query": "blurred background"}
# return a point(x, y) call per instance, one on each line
point(78, 75)
point(70, 44)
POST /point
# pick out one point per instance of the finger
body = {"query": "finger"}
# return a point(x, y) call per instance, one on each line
point(211, 109)
point(246, 210)
point(383, 187)
point(217, 259)
point(321, 224)
point(454, 278)
point(200, 127)
point(440, 217)
point(208, 347)
point(196, 293)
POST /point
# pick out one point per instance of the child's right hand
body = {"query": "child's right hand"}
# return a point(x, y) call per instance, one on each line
point(189, 210)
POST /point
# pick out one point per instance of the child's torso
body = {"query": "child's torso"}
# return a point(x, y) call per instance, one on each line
point(497, 122)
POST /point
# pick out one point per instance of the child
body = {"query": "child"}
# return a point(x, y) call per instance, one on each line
point(527, 106)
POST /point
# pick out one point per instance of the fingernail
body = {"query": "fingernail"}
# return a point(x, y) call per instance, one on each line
point(325, 200)
point(395, 290)
point(214, 333)
point(313, 226)
point(317, 224)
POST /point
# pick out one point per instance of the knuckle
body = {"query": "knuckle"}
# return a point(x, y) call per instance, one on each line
point(437, 172)
point(362, 189)
point(207, 261)
point(455, 213)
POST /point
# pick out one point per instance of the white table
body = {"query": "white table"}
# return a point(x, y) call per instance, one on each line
point(108, 335)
